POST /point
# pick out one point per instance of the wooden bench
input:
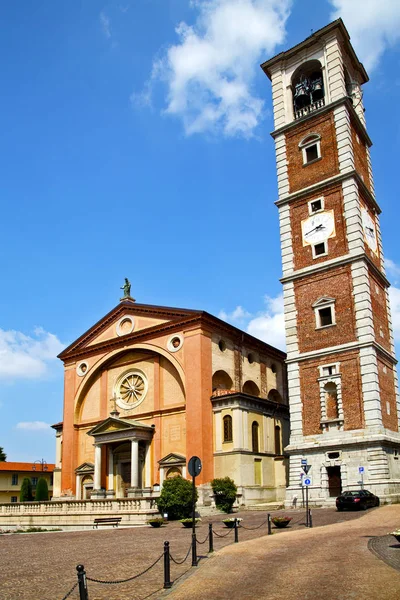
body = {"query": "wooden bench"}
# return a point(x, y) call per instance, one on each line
point(107, 521)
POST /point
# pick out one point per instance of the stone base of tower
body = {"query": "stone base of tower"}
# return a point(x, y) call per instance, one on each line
point(374, 465)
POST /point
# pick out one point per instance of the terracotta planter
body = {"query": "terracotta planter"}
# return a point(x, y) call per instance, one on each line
point(230, 524)
point(156, 523)
point(397, 537)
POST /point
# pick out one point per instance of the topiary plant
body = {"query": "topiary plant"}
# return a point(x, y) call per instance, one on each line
point(176, 498)
point(224, 490)
point(42, 491)
point(25, 494)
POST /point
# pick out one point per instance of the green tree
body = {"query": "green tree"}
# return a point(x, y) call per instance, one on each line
point(3, 455)
point(25, 494)
point(224, 490)
point(42, 490)
point(176, 498)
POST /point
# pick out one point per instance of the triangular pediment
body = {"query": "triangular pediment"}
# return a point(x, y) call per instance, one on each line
point(126, 321)
point(172, 459)
point(322, 301)
point(113, 424)
point(85, 467)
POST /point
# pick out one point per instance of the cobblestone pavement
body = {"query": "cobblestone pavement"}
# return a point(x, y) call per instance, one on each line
point(42, 566)
point(324, 563)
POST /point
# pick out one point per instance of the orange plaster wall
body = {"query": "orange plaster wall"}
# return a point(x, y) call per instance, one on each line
point(198, 369)
point(69, 450)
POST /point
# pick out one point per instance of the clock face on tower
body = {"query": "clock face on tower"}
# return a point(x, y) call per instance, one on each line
point(369, 230)
point(318, 228)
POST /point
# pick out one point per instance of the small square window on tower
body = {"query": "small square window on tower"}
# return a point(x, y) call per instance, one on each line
point(311, 148)
point(324, 310)
point(315, 205)
point(320, 249)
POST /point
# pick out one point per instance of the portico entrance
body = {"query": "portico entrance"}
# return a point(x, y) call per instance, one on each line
point(126, 446)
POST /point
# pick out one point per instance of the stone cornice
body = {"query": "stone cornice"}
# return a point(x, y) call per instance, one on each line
point(336, 262)
point(317, 188)
point(339, 349)
point(247, 402)
point(364, 439)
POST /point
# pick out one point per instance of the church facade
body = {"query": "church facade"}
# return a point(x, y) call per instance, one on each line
point(147, 387)
point(342, 378)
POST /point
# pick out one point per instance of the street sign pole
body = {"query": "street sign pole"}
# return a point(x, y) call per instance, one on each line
point(307, 506)
point(194, 468)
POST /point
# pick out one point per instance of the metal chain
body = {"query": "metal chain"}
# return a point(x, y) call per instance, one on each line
point(180, 562)
point(222, 536)
point(129, 578)
point(70, 591)
point(253, 528)
point(204, 541)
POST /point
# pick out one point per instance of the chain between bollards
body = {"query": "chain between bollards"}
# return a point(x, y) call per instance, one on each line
point(210, 538)
point(269, 524)
point(167, 567)
point(82, 583)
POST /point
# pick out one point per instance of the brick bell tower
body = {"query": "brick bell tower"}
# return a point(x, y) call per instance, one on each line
point(344, 404)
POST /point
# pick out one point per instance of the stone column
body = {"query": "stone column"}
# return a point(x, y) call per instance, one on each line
point(237, 423)
point(218, 431)
point(78, 488)
point(110, 491)
point(134, 464)
point(147, 471)
point(97, 467)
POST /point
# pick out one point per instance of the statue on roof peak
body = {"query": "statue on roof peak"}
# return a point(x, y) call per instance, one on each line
point(127, 290)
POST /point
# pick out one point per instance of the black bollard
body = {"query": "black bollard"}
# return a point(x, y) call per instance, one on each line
point(236, 532)
point(167, 568)
point(82, 583)
point(210, 538)
point(269, 523)
point(309, 518)
point(194, 550)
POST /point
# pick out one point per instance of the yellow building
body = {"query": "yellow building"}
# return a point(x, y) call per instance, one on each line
point(147, 387)
point(12, 475)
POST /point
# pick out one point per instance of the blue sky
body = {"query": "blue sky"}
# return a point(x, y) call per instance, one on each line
point(135, 143)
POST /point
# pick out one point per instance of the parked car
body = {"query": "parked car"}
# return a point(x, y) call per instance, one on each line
point(357, 500)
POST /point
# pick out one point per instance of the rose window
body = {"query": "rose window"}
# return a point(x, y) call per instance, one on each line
point(131, 389)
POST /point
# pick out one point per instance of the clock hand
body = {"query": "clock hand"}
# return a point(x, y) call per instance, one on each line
point(370, 229)
point(317, 228)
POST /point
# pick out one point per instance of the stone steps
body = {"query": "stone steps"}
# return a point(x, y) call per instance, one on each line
point(265, 506)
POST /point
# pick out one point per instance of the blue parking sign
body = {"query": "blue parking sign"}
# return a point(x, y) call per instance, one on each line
point(307, 481)
point(361, 469)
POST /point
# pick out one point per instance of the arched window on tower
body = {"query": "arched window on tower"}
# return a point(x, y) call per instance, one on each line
point(278, 448)
point(254, 437)
point(227, 428)
point(308, 88)
point(331, 401)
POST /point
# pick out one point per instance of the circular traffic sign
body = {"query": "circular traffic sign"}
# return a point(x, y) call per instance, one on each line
point(194, 466)
point(307, 481)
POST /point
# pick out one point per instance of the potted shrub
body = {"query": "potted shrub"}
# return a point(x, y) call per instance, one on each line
point(156, 522)
point(224, 490)
point(231, 522)
point(281, 522)
point(176, 498)
point(396, 534)
point(188, 522)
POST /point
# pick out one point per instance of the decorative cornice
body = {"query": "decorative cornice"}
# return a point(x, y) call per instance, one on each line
point(246, 401)
point(301, 357)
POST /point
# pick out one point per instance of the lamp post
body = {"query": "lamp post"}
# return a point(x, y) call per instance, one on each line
point(41, 462)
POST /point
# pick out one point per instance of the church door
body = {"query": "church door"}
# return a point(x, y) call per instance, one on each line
point(125, 477)
point(334, 481)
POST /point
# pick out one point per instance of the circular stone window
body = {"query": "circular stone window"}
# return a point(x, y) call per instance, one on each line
point(251, 358)
point(125, 325)
point(175, 343)
point(131, 389)
point(82, 369)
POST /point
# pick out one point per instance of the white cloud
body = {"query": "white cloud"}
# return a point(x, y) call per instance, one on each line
point(210, 71)
point(105, 24)
point(392, 269)
point(33, 426)
point(268, 325)
point(394, 295)
point(26, 357)
point(373, 26)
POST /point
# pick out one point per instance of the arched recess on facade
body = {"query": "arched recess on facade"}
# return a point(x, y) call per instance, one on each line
point(221, 381)
point(307, 84)
point(112, 357)
point(251, 388)
point(275, 396)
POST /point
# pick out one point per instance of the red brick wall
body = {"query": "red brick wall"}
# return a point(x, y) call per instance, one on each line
point(351, 391)
point(337, 246)
point(336, 283)
point(379, 310)
point(304, 175)
point(388, 395)
point(360, 157)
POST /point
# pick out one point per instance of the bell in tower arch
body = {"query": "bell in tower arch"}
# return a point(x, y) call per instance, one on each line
point(301, 94)
point(317, 89)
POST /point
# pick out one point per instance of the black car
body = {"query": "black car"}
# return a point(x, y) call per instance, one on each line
point(357, 500)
